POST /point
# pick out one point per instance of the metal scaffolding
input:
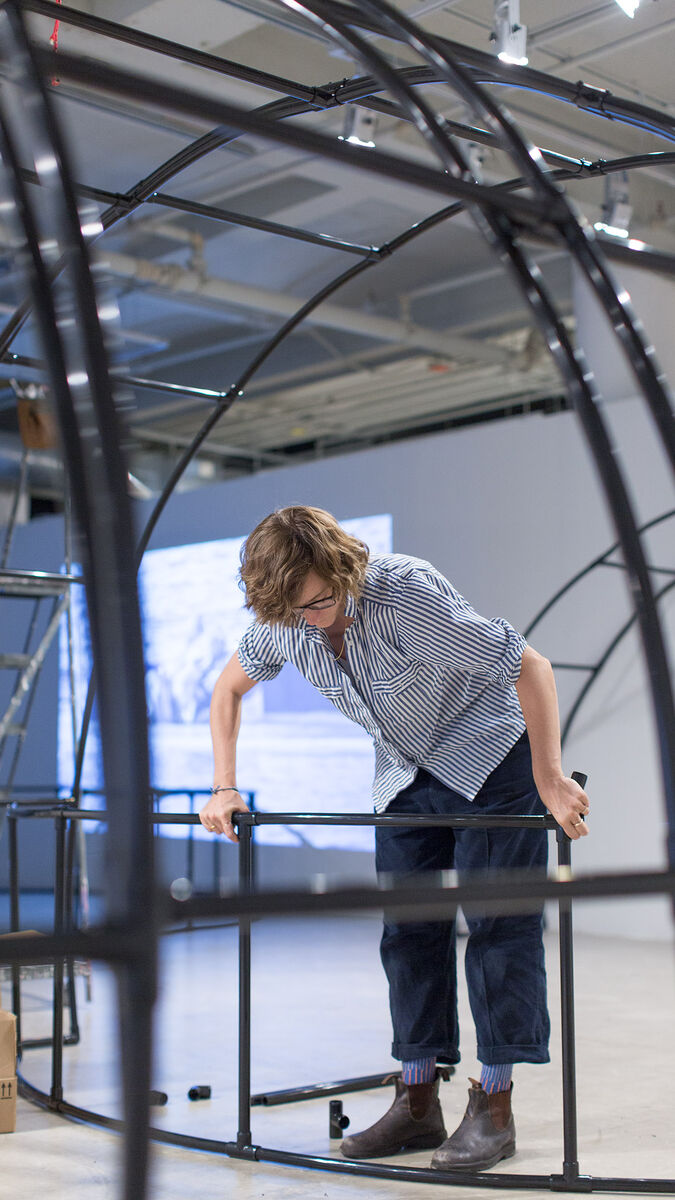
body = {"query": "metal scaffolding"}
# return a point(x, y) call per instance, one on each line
point(49, 243)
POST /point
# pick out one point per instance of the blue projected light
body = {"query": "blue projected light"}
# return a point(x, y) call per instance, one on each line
point(295, 751)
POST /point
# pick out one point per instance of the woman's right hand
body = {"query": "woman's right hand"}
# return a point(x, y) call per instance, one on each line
point(216, 815)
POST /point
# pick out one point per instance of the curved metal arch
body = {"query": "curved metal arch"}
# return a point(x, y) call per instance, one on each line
point(300, 99)
point(502, 234)
point(491, 70)
point(601, 560)
point(225, 402)
point(123, 206)
point(602, 663)
point(575, 231)
point(580, 94)
point(74, 348)
point(579, 575)
point(131, 1193)
point(558, 338)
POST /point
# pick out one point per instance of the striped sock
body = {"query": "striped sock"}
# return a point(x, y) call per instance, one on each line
point(418, 1070)
point(496, 1078)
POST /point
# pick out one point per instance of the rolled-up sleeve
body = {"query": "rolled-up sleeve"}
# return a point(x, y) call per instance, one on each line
point(258, 657)
point(435, 624)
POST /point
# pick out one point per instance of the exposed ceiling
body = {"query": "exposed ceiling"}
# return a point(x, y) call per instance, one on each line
point(431, 334)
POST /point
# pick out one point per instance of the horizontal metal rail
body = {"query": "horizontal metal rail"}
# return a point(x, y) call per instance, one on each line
point(598, 100)
point(101, 76)
point(243, 1147)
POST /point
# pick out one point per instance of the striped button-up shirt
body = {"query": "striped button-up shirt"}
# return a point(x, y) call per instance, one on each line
point(429, 679)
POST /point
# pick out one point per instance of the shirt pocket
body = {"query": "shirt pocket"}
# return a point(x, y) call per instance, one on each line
point(330, 690)
point(393, 678)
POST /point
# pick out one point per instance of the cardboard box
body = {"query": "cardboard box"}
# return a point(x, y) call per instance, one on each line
point(7, 1072)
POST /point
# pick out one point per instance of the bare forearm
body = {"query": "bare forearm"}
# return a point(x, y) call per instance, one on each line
point(225, 721)
point(539, 703)
point(232, 684)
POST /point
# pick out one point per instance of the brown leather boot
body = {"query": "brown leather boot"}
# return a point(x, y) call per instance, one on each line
point(414, 1122)
point(486, 1135)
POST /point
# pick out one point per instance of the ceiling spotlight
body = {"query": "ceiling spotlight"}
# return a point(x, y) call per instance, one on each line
point(475, 155)
point(509, 36)
point(359, 127)
point(616, 208)
point(630, 7)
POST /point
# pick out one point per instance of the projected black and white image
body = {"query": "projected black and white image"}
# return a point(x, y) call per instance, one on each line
point(294, 750)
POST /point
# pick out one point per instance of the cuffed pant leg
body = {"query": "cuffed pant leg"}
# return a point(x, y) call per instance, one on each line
point(504, 959)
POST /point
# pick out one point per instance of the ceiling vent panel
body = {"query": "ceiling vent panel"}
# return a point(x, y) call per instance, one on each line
point(269, 199)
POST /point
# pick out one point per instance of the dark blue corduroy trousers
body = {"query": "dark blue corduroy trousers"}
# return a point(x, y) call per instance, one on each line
point(504, 959)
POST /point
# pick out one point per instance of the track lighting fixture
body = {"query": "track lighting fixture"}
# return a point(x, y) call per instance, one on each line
point(616, 209)
point(630, 7)
point(509, 36)
point(359, 127)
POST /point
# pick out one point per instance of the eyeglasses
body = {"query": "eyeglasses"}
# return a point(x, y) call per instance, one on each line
point(315, 606)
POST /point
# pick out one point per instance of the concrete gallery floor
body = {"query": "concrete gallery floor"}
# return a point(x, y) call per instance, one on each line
point(320, 1014)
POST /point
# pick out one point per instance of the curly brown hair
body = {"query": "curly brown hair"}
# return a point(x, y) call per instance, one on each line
point(284, 547)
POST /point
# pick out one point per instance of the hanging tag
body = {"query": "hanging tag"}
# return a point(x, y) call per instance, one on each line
point(54, 43)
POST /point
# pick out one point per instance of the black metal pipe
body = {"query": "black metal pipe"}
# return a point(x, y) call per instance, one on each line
point(486, 1179)
point(56, 1092)
point(69, 1039)
point(426, 903)
point(245, 888)
point(68, 967)
point(314, 1091)
point(15, 920)
point(73, 344)
point(584, 247)
point(570, 1167)
point(593, 99)
point(254, 844)
point(234, 392)
point(129, 201)
point(158, 45)
point(120, 943)
point(244, 819)
point(648, 257)
point(190, 842)
point(595, 562)
point(348, 92)
point(212, 213)
point(601, 663)
point(229, 397)
point(127, 83)
point(489, 69)
point(503, 237)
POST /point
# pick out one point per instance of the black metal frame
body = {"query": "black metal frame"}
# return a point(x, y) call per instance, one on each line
point(445, 902)
point(80, 382)
point(593, 670)
point(301, 98)
point(74, 347)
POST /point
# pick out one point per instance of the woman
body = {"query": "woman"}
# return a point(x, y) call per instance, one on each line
point(464, 718)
